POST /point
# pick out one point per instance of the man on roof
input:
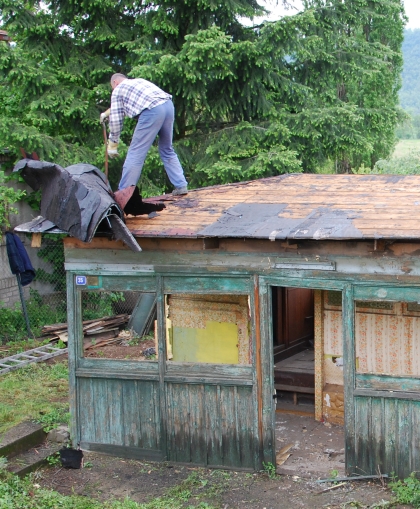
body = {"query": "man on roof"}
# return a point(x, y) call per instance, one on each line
point(141, 99)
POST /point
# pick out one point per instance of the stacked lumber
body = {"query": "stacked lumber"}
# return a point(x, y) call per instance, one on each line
point(103, 329)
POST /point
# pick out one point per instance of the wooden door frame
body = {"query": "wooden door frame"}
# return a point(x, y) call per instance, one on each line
point(266, 323)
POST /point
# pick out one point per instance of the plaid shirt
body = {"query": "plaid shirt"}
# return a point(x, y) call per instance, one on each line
point(129, 99)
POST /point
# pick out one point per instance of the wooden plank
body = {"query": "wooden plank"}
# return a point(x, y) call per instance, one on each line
point(86, 420)
point(385, 293)
point(133, 411)
point(161, 349)
point(258, 368)
point(139, 283)
point(377, 437)
point(387, 383)
point(294, 388)
point(206, 284)
point(179, 425)
point(148, 415)
point(209, 380)
point(223, 371)
point(213, 426)
point(396, 395)
point(102, 409)
point(415, 445)
point(116, 411)
point(390, 435)
point(245, 423)
point(362, 436)
point(349, 370)
point(134, 453)
point(229, 427)
point(403, 442)
point(198, 449)
point(170, 450)
point(75, 346)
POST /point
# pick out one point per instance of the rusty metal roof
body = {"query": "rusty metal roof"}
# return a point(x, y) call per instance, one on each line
point(294, 206)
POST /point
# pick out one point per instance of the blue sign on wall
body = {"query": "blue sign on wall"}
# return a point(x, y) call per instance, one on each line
point(80, 280)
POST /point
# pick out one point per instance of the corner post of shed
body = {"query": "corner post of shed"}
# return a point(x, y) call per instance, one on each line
point(263, 373)
point(349, 374)
point(74, 351)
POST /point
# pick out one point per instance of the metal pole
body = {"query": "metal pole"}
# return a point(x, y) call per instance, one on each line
point(22, 300)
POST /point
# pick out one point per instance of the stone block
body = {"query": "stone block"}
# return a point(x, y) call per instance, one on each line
point(59, 435)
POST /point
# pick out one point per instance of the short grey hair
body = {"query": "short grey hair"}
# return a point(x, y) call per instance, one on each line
point(117, 76)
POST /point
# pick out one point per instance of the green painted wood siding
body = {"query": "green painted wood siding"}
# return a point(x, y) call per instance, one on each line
point(387, 436)
point(210, 425)
point(119, 412)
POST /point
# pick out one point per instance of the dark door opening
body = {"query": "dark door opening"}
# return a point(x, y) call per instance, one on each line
point(304, 442)
point(293, 337)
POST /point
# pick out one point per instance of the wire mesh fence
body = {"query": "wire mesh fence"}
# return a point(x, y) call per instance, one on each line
point(46, 298)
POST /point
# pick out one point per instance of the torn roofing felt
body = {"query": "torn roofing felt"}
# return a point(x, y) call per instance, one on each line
point(293, 206)
point(76, 199)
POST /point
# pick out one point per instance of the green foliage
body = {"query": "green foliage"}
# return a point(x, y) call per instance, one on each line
point(54, 459)
point(251, 102)
point(8, 196)
point(269, 469)
point(53, 253)
point(408, 165)
point(12, 320)
point(407, 491)
point(52, 419)
point(409, 128)
point(3, 463)
point(32, 392)
point(99, 304)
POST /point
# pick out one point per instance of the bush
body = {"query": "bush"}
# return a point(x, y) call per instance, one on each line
point(12, 320)
point(407, 491)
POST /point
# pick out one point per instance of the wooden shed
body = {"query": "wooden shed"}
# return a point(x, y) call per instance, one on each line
point(245, 276)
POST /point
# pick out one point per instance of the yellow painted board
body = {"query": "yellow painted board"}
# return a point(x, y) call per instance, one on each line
point(217, 343)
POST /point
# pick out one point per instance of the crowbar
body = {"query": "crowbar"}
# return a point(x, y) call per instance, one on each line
point(106, 151)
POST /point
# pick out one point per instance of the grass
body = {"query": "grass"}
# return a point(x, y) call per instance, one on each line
point(36, 392)
point(406, 148)
point(16, 493)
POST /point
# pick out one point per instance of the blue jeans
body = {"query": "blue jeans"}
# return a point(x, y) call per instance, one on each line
point(159, 121)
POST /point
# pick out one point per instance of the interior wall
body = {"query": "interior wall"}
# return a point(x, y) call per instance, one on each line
point(333, 382)
point(387, 338)
point(209, 328)
point(388, 341)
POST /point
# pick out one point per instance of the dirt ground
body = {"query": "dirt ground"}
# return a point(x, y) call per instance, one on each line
point(123, 351)
point(314, 451)
point(106, 478)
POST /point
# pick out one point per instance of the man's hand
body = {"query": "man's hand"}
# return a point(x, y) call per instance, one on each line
point(112, 149)
point(104, 115)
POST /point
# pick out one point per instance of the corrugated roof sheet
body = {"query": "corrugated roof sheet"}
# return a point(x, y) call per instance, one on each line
point(297, 206)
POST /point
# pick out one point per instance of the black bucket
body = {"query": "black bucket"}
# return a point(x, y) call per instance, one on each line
point(71, 458)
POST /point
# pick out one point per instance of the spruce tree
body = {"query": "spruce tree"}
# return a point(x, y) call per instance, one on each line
point(251, 101)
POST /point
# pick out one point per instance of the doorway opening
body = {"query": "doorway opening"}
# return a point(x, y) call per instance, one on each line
point(304, 442)
point(293, 338)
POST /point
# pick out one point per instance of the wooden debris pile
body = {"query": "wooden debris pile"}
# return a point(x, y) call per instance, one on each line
point(97, 333)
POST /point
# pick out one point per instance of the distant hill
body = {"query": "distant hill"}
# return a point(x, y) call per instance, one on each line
point(410, 91)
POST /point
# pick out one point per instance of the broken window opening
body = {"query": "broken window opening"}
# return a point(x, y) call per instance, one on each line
point(119, 325)
point(212, 329)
